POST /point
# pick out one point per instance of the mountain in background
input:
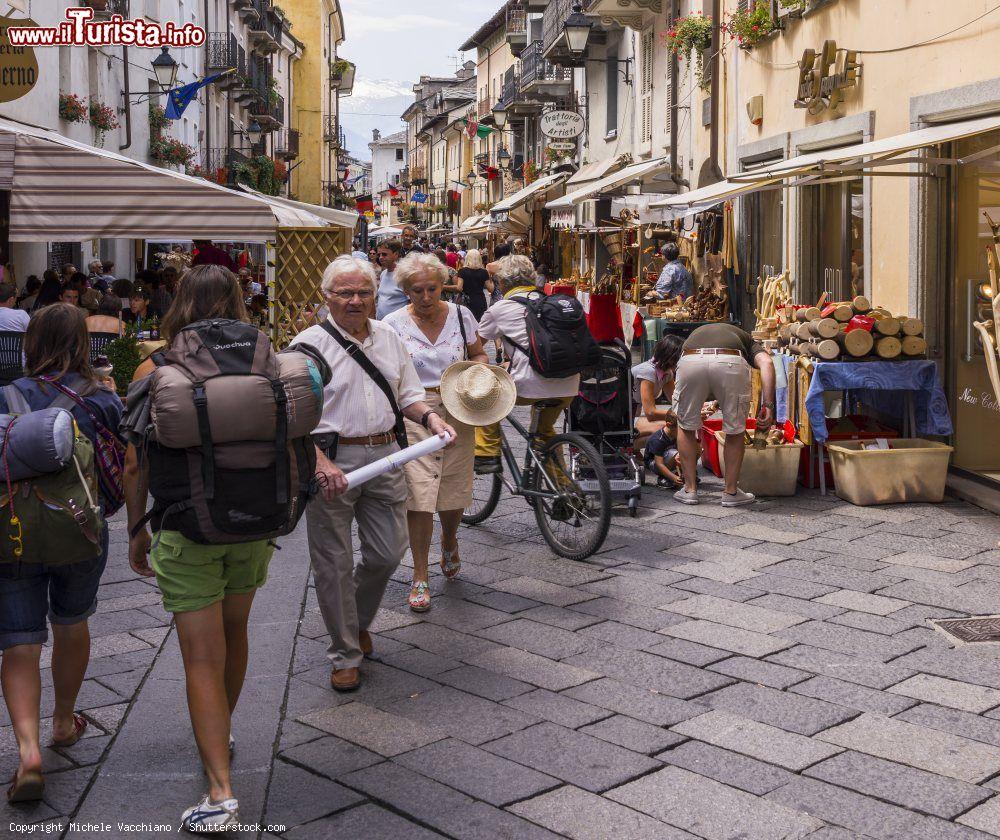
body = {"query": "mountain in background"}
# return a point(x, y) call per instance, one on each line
point(375, 103)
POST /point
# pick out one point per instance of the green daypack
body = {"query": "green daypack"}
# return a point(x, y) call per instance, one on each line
point(54, 519)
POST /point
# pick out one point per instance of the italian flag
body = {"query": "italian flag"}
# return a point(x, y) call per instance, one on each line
point(475, 129)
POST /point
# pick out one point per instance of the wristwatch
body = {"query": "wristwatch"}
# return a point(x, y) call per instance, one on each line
point(426, 416)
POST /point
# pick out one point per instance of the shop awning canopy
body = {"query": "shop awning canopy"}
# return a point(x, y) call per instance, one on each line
point(635, 172)
point(470, 222)
point(65, 191)
point(521, 197)
point(339, 218)
point(858, 160)
point(591, 172)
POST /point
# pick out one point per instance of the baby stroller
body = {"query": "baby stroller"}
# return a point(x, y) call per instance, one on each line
point(602, 412)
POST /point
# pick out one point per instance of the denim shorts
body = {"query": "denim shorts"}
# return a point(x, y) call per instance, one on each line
point(31, 592)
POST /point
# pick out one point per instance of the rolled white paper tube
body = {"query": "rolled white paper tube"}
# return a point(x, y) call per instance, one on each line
point(355, 478)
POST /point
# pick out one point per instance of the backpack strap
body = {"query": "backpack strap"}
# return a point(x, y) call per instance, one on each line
point(527, 305)
point(280, 441)
point(205, 432)
point(17, 403)
point(355, 352)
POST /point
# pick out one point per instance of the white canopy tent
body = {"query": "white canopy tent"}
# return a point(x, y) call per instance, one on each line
point(635, 172)
point(523, 195)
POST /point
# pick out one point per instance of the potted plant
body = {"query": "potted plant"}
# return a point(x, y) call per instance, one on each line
point(794, 7)
point(157, 119)
point(750, 26)
point(272, 91)
point(103, 118)
point(482, 207)
point(339, 69)
point(690, 33)
point(72, 108)
point(170, 151)
point(530, 172)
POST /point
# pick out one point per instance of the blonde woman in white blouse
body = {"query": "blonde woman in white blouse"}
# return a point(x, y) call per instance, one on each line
point(436, 334)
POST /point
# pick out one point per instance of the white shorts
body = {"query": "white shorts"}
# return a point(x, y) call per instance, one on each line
point(720, 377)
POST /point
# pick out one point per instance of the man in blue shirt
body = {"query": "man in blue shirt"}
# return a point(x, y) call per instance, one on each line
point(390, 297)
point(675, 280)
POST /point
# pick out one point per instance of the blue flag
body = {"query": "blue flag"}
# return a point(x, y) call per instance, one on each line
point(179, 98)
point(418, 197)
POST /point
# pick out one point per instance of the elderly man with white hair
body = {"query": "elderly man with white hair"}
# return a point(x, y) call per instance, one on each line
point(373, 387)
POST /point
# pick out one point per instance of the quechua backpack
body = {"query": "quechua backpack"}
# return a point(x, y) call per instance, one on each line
point(559, 341)
point(230, 456)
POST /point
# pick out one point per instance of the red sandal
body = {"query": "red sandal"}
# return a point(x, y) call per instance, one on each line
point(79, 727)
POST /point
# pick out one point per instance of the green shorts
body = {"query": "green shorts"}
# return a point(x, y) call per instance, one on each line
point(193, 576)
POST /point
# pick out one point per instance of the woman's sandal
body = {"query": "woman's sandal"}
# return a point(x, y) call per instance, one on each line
point(26, 787)
point(79, 727)
point(451, 563)
point(420, 597)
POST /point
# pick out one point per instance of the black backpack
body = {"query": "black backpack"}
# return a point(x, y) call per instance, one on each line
point(559, 340)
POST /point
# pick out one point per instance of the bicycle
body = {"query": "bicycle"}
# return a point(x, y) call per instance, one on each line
point(563, 479)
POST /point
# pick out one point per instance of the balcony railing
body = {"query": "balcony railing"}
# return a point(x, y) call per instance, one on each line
point(222, 164)
point(222, 52)
point(265, 31)
point(517, 29)
point(269, 115)
point(286, 143)
point(485, 108)
point(535, 68)
point(418, 174)
point(554, 46)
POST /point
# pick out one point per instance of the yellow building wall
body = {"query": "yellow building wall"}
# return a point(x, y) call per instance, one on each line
point(887, 85)
point(310, 105)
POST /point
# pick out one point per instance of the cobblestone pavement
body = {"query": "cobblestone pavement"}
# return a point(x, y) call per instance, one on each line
point(714, 673)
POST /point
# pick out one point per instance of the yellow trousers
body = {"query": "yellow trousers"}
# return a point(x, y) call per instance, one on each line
point(488, 437)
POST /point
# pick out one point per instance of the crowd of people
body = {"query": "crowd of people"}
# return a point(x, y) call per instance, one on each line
point(408, 352)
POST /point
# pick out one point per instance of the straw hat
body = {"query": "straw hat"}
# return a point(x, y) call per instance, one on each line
point(477, 394)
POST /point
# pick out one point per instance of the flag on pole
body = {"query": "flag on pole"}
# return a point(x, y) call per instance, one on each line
point(393, 192)
point(364, 204)
point(418, 197)
point(475, 129)
point(456, 188)
point(179, 98)
point(490, 173)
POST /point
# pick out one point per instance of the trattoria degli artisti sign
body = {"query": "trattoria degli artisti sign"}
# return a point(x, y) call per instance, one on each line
point(18, 65)
point(825, 75)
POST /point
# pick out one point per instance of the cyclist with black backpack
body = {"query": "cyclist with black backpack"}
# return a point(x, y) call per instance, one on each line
point(548, 343)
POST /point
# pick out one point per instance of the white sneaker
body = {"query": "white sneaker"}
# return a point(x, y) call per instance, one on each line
point(737, 499)
point(686, 498)
point(207, 816)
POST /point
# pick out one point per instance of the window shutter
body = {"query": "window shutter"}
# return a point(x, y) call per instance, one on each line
point(647, 86)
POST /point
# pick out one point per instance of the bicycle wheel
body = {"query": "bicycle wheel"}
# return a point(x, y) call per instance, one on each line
point(485, 497)
point(574, 515)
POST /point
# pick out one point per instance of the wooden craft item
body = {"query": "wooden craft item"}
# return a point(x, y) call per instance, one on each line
point(856, 343)
point(889, 347)
point(821, 328)
point(861, 305)
point(825, 349)
point(808, 313)
point(839, 312)
point(911, 326)
point(913, 345)
point(887, 326)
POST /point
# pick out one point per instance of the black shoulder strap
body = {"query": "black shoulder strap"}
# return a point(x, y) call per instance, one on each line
point(354, 351)
point(461, 327)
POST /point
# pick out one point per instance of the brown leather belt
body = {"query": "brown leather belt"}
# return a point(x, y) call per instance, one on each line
point(712, 351)
point(381, 439)
point(434, 389)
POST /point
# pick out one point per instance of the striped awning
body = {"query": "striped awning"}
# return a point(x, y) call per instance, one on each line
point(68, 191)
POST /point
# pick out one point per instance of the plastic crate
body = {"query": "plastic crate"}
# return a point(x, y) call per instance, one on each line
point(771, 471)
point(710, 444)
point(914, 470)
point(851, 427)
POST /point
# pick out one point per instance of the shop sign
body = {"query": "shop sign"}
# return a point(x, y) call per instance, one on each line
point(563, 217)
point(562, 145)
point(18, 65)
point(825, 75)
point(500, 215)
point(562, 125)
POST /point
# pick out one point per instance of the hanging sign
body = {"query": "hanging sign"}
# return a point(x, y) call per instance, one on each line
point(562, 125)
point(824, 76)
point(18, 65)
point(562, 145)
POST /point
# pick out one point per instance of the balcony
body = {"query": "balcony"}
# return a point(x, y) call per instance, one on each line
point(104, 9)
point(224, 53)
point(638, 14)
point(554, 46)
point(269, 114)
point(485, 109)
point(286, 144)
point(517, 29)
point(265, 31)
point(418, 175)
point(225, 165)
point(342, 76)
point(542, 79)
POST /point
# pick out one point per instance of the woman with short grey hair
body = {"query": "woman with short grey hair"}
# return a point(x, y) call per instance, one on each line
point(436, 334)
point(516, 273)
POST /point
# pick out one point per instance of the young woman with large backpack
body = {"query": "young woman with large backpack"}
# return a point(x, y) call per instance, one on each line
point(57, 357)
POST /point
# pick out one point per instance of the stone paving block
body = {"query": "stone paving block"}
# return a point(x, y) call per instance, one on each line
point(877, 514)
point(863, 602)
point(479, 774)
point(944, 830)
point(860, 564)
point(368, 821)
point(541, 639)
point(970, 663)
point(420, 662)
point(440, 640)
point(704, 537)
point(681, 798)
point(542, 591)
point(746, 642)
point(464, 716)
point(834, 637)
point(975, 727)
point(984, 818)
point(63, 790)
point(960, 599)
point(957, 695)
point(792, 587)
point(479, 821)
point(386, 620)
point(503, 601)
point(636, 702)
point(463, 616)
point(759, 671)
point(484, 683)
point(373, 729)
point(560, 617)
point(633, 734)
point(759, 531)
point(796, 606)
point(918, 746)
point(692, 653)
point(729, 591)
point(634, 590)
point(581, 815)
point(86, 751)
point(844, 666)
point(294, 734)
point(835, 576)
point(744, 616)
point(717, 571)
point(558, 708)
point(330, 756)
point(534, 669)
point(620, 635)
point(730, 768)
point(791, 712)
point(296, 796)
point(649, 671)
point(612, 609)
point(579, 759)
point(926, 561)
point(910, 788)
point(108, 717)
point(861, 814)
point(852, 696)
point(871, 623)
point(551, 569)
point(757, 740)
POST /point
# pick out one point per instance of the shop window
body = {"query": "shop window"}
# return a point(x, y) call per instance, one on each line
point(763, 219)
point(833, 245)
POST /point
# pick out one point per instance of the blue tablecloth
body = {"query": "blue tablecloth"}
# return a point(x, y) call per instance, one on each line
point(879, 385)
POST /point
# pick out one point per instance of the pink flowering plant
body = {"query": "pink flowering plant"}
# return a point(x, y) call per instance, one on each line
point(692, 32)
point(169, 150)
point(751, 25)
point(103, 118)
point(72, 108)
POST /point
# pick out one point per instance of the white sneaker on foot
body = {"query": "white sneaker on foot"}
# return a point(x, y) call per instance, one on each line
point(208, 816)
point(686, 498)
point(737, 499)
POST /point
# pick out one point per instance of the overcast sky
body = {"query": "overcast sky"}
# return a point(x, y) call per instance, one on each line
point(400, 39)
